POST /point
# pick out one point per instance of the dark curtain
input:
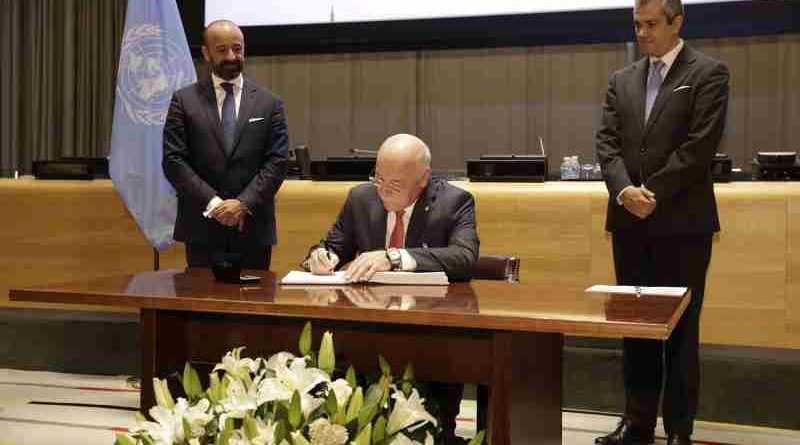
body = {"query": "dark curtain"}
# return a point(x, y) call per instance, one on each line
point(57, 81)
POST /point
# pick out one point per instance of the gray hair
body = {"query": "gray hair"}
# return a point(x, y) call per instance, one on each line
point(672, 8)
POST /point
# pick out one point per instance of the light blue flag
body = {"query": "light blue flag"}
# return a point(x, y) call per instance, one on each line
point(154, 61)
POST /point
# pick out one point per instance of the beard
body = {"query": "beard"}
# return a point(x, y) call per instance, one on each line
point(228, 69)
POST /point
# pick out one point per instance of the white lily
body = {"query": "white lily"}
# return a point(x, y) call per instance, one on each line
point(343, 391)
point(197, 416)
point(325, 433)
point(278, 360)
point(238, 367)
point(239, 399)
point(287, 380)
point(407, 412)
point(168, 425)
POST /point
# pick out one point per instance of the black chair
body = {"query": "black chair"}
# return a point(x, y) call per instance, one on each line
point(492, 267)
point(497, 267)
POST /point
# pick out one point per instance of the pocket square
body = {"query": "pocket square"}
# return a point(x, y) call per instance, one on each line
point(682, 87)
point(255, 119)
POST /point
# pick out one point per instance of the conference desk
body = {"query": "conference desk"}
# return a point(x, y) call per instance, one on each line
point(507, 336)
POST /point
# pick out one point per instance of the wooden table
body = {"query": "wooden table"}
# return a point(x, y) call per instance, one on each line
point(506, 336)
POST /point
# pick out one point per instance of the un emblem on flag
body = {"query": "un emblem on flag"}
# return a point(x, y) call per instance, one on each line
point(148, 73)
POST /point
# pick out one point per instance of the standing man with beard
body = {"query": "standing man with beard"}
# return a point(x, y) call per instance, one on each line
point(225, 153)
point(662, 124)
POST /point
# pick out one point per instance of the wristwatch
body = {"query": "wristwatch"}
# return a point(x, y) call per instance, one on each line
point(395, 259)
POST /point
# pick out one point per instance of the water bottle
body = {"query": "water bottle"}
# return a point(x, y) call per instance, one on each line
point(565, 166)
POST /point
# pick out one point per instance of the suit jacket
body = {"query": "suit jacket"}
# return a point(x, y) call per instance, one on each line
point(441, 233)
point(196, 164)
point(670, 154)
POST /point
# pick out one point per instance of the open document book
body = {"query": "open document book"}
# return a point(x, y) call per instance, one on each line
point(636, 290)
point(416, 278)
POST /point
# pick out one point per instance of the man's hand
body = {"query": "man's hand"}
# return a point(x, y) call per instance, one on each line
point(322, 262)
point(366, 264)
point(230, 212)
point(639, 201)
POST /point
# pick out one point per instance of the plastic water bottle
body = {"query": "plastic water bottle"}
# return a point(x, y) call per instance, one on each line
point(565, 167)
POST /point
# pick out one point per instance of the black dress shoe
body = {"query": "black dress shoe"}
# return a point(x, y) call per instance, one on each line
point(679, 440)
point(626, 434)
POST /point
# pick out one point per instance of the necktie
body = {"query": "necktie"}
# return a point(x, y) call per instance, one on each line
point(654, 81)
point(399, 231)
point(228, 117)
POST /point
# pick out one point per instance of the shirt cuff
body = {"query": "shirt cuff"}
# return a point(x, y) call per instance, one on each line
point(215, 201)
point(619, 195)
point(407, 262)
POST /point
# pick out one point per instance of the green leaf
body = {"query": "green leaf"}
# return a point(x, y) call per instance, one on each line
point(331, 403)
point(379, 430)
point(214, 391)
point(305, 340)
point(295, 414)
point(351, 377)
point(187, 427)
point(327, 357)
point(366, 414)
point(356, 402)
point(124, 439)
point(408, 373)
point(406, 387)
point(226, 432)
point(191, 383)
point(478, 439)
point(374, 394)
point(364, 436)
point(280, 431)
point(386, 369)
point(250, 427)
point(163, 396)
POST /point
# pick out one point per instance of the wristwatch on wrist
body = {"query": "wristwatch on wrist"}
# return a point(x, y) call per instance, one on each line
point(395, 259)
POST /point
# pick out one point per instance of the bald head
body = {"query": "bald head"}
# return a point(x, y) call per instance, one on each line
point(403, 168)
point(223, 48)
point(407, 149)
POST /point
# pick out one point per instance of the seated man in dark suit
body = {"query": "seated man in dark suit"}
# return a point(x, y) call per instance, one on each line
point(404, 220)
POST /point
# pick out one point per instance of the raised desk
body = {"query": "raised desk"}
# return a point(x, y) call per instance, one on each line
point(507, 336)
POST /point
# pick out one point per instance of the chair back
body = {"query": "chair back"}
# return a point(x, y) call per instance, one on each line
point(497, 267)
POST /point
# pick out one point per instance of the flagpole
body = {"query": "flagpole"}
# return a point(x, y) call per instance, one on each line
point(156, 262)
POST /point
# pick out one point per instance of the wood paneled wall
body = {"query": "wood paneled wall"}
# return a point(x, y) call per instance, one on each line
point(468, 102)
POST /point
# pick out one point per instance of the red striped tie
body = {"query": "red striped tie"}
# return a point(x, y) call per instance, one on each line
point(399, 231)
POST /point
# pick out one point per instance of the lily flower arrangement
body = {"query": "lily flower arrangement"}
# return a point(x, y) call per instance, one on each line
point(287, 400)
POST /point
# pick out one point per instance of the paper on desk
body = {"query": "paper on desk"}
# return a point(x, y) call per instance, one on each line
point(417, 278)
point(644, 290)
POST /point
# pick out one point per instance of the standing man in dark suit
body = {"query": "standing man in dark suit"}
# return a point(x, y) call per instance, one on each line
point(225, 152)
point(404, 220)
point(662, 122)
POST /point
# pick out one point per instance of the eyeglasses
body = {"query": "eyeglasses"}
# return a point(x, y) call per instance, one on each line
point(392, 185)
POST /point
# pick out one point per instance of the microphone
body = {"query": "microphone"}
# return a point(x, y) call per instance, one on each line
point(541, 145)
point(357, 152)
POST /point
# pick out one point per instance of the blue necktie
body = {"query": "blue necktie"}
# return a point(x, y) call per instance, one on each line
point(654, 81)
point(228, 117)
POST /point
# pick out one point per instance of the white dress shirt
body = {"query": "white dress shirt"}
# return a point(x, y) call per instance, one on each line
point(237, 82)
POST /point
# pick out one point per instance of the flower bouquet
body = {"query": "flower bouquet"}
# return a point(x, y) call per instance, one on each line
point(287, 400)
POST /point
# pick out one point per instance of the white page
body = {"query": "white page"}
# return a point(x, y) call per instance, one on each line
point(665, 291)
point(417, 278)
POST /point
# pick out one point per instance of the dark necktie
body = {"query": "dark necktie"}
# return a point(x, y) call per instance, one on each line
point(654, 81)
point(228, 117)
point(399, 231)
